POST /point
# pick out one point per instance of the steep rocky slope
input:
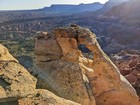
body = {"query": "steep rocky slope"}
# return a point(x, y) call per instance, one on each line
point(18, 87)
point(108, 5)
point(128, 11)
point(70, 73)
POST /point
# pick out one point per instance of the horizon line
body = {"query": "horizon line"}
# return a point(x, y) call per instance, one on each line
point(26, 9)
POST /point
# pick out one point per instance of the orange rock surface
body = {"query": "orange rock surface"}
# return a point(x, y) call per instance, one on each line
point(18, 86)
point(72, 75)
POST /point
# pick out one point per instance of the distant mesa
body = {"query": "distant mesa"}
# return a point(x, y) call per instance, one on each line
point(62, 8)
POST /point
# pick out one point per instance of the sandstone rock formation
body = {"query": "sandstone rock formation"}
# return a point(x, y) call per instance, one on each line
point(44, 97)
point(72, 75)
point(15, 79)
point(16, 83)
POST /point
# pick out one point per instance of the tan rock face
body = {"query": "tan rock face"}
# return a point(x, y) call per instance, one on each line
point(5, 55)
point(44, 97)
point(16, 83)
point(64, 74)
point(15, 80)
point(71, 75)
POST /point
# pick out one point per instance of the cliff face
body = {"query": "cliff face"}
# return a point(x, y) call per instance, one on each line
point(18, 86)
point(71, 74)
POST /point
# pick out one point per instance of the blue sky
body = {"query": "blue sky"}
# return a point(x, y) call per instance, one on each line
point(35, 4)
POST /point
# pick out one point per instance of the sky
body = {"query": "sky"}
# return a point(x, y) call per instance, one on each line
point(35, 4)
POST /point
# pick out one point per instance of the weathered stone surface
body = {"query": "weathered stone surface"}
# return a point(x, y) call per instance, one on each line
point(16, 83)
point(76, 77)
point(64, 75)
point(44, 97)
point(15, 80)
point(5, 55)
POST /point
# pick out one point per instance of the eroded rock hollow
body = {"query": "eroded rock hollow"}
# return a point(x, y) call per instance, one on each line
point(72, 64)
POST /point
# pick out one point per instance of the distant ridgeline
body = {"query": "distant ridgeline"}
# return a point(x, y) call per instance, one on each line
point(73, 8)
